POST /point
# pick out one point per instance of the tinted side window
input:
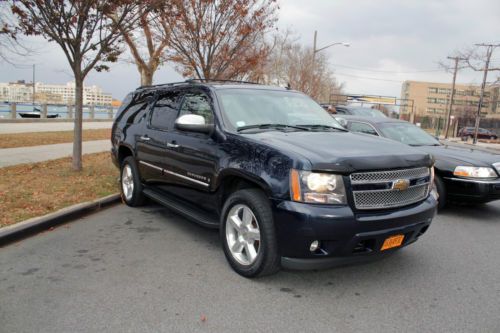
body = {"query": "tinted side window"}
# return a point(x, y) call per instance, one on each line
point(165, 111)
point(362, 128)
point(197, 103)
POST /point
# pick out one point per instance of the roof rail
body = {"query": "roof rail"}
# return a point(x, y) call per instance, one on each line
point(217, 80)
point(191, 81)
point(162, 85)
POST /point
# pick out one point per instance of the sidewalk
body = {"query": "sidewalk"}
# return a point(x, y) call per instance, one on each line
point(13, 156)
point(49, 126)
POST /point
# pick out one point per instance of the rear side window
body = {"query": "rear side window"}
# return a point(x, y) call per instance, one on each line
point(165, 111)
point(197, 103)
point(362, 128)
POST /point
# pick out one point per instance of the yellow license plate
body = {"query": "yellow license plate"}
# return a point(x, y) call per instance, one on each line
point(393, 241)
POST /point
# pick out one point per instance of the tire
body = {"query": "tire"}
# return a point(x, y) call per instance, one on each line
point(130, 183)
point(492, 138)
point(243, 239)
point(441, 190)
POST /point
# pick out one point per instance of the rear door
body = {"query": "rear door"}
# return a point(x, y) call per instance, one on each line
point(152, 145)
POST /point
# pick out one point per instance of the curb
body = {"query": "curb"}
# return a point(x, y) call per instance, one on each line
point(38, 224)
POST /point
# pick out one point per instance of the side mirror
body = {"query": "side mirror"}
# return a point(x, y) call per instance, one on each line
point(193, 123)
point(342, 121)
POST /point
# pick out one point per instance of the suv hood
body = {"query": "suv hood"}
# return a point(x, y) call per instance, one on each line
point(463, 156)
point(345, 152)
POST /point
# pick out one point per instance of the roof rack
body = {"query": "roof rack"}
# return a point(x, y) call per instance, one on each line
point(219, 80)
point(191, 81)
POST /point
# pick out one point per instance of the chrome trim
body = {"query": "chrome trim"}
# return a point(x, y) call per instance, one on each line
point(185, 177)
point(174, 173)
point(494, 181)
point(151, 165)
point(497, 166)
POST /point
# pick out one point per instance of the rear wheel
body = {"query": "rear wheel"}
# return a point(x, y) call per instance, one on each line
point(131, 186)
point(441, 190)
point(248, 234)
point(492, 138)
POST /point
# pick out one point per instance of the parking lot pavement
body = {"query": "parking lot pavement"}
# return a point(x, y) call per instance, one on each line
point(148, 270)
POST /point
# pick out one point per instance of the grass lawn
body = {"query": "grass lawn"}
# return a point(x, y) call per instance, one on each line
point(29, 190)
point(14, 140)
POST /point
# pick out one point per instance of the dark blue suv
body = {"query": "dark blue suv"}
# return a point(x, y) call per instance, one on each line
point(285, 184)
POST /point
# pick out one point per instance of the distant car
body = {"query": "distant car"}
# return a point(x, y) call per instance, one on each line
point(462, 174)
point(358, 111)
point(482, 133)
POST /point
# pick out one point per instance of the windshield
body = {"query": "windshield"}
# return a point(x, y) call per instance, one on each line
point(367, 112)
point(407, 133)
point(250, 107)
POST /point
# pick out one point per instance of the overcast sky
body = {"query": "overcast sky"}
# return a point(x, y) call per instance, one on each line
point(391, 41)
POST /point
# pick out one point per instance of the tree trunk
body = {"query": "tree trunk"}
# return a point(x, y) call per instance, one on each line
point(77, 137)
point(146, 77)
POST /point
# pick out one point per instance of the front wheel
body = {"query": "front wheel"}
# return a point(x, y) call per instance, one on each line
point(131, 186)
point(248, 234)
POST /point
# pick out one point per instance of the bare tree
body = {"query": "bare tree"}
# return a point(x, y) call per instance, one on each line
point(10, 45)
point(479, 60)
point(147, 43)
point(290, 63)
point(219, 39)
point(86, 34)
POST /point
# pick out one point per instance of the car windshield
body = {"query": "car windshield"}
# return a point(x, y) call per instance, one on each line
point(407, 133)
point(366, 112)
point(244, 108)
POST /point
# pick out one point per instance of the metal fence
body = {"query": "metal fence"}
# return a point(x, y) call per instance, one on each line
point(13, 111)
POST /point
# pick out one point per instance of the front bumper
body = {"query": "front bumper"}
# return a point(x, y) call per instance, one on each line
point(345, 235)
point(461, 189)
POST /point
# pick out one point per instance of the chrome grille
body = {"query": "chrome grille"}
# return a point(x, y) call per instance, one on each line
point(390, 198)
point(389, 175)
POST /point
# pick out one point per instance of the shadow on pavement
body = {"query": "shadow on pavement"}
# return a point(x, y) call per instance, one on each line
point(489, 212)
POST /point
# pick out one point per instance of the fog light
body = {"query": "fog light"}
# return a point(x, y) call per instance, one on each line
point(314, 246)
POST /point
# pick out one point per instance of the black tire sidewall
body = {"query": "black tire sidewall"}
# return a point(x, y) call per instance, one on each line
point(440, 188)
point(137, 198)
point(266, 262)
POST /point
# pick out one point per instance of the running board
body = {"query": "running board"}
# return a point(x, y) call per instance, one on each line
point(186, 209)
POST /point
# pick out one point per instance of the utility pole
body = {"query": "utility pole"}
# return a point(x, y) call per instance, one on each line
point(33, 87)
point(489, 52)
point(450, 106)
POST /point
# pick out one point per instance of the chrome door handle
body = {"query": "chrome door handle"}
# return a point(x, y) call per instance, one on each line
point(172, 145)
point(145, 138)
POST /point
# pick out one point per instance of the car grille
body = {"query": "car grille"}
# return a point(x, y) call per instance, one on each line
point(388, 196)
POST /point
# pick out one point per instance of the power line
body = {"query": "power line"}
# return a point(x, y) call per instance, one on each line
point(384, 71)
point(368, 78)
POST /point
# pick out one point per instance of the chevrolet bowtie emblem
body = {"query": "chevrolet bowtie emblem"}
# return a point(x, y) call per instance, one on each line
point(401, 185)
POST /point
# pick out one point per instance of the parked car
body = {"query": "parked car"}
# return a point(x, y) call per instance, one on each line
point(462, 174)
point(482, 133)
point(358, 111)
point(286, 185)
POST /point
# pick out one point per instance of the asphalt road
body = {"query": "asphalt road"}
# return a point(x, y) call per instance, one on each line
point(148, 270)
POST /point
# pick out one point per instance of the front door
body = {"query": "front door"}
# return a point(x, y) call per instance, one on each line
point(192, 157)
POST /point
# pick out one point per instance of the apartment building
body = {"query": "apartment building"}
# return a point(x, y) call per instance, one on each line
point(22, 92)
point(431, 99)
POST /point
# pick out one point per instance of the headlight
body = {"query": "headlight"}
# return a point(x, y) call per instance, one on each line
point(475, 172)
point(314, 187)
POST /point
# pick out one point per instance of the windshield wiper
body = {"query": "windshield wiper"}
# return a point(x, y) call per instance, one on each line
point(271, 126)
point(317, 126)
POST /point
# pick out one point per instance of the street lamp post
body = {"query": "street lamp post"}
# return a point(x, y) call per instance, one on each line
point(316, 50)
